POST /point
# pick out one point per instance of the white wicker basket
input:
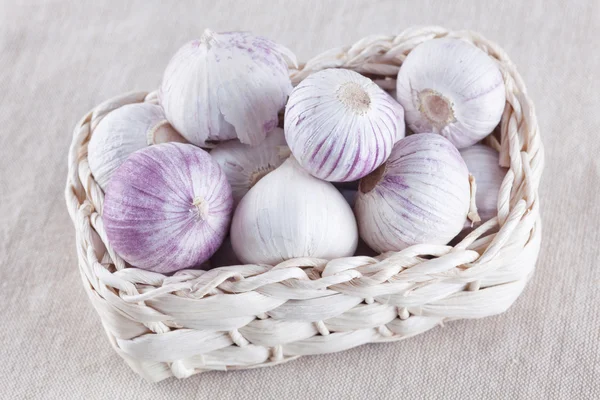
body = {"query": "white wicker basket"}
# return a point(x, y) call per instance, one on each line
point(257, 315)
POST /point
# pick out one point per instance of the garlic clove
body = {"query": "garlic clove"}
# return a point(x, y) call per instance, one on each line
point(226, 86)
point(290, 214)
point(167, 207)
point(124, 131)
point(484, 163)
point(451, 87)
point(340, 125)
point(421, 194)
point(245, 165)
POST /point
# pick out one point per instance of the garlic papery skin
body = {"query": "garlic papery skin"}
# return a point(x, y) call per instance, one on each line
point(245, 165)
point(168, 207)
point(226, 86)
point(124, 131)
point(483, 163)
point(290, 214)
point(451, 87)
point(421, 194)
point(340, 125)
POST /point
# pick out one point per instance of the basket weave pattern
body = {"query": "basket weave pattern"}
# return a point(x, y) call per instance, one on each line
point(256, 315)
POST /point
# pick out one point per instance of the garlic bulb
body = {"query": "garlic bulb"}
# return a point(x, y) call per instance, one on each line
point(483, 163)
point(421, 194)
point(226, 86)
point(167, 207)
point(451, 87)
point(123, 131)
point(245, 165)
point(290, 214)
point(340, 126)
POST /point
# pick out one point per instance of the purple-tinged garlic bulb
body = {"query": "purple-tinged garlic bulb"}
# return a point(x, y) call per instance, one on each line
point(168, 207)
point(245, 165)
point(340, 125)
point(123, 131)
point(225, 86)
point(483, 163)
point(290, 213)
point(451, 87)
point(421, 194)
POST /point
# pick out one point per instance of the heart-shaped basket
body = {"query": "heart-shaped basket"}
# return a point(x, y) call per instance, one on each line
point(258, 315)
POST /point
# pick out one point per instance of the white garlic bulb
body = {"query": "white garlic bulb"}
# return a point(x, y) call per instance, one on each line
point(451, 87)
point(244, 165)
point(483, 163)
point(421, 194)
point(290, 214)
point(340, 125)
point(226, 86)
point(124, 131)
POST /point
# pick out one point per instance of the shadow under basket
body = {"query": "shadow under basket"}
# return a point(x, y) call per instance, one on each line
point(250, 316)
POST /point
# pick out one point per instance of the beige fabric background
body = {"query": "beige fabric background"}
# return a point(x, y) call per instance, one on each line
point(59, 58)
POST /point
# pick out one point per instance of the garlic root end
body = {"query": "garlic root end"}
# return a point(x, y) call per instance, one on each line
point(355, 97)
point(436, 108)
point(284, 152)
point(369, 182)
point(163, 132)
point(201, 207)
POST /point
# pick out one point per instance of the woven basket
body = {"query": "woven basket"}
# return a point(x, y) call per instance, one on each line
point(258, 315)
